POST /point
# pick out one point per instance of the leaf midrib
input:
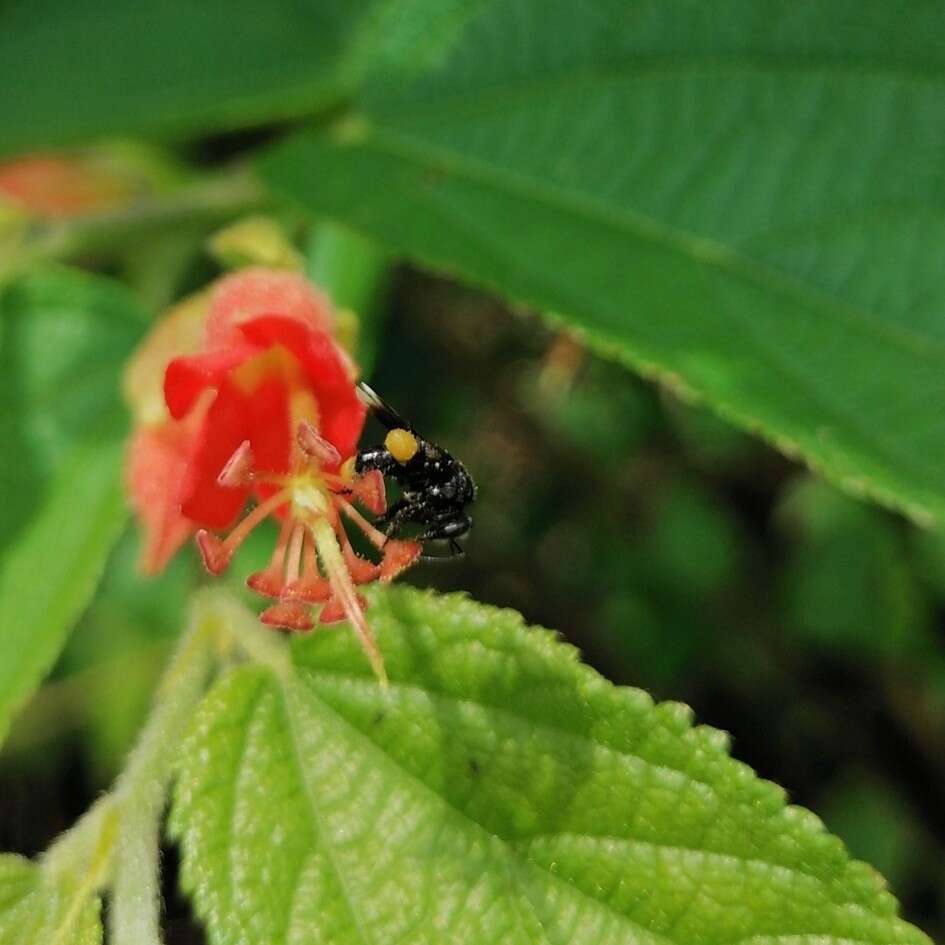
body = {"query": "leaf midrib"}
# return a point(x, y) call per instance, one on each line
point(514, 855)
point(285, 687)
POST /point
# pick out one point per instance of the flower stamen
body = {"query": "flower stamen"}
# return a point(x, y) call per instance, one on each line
point(288, 615)
point(238, 470)
point(310, 587)
point(344, 594)
point(270, 582)
point(294, 554)
point(396, 554)
point(315, 446)
point(313, 562)
point(216, 554)
point(375, 537)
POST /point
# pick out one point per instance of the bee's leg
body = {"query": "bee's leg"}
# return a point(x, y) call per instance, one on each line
point(448, 525)
point(399, 513)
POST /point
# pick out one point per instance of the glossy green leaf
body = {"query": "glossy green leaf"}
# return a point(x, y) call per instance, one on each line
point(36, 907)
point(63, 340)
point(498, 792)
point(743, 198)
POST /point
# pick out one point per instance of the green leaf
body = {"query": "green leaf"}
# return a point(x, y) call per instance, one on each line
point(742, 198)
point(63, 340)
point(356, 275)
point(499, 791)
point(845, 581)
point(36, 906)
point(172, 67)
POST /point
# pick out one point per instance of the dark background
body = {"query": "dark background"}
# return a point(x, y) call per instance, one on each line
point(678, 554)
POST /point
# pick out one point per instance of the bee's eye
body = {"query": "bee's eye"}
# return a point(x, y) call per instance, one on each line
point(401, 444)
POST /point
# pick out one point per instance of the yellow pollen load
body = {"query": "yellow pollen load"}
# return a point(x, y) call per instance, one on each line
point(401, 444)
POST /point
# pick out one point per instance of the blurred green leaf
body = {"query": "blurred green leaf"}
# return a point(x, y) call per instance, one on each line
point(355, 273)
point(78, 70)
point(118, 650)
point(928, 546)
point(656, 640)
point(847, 581)
point(710, 442)
point(693, 541)
point(63, 340)
point(874, 823)
point(130, 611)
point(37, 907)
point(171, 66)
point(740, 198)
point(499, 791)
point(606, 416)
point(103, 683)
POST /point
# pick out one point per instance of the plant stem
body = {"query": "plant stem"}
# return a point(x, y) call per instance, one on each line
point(208, 202)
point(116, 843)
point(134, 917)
point(119, 835)
point(86, 848)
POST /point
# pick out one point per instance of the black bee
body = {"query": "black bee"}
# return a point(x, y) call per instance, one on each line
point(435, 487)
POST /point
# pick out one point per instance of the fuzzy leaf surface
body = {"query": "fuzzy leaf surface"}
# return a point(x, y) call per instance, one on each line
point(500, 791)
point(37, 908)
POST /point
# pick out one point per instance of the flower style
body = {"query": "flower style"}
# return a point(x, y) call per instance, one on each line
point(261, 404)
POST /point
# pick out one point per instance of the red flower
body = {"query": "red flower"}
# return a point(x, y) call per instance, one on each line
point(262, 405)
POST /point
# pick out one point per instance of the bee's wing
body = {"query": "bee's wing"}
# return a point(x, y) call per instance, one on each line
point(381, 409)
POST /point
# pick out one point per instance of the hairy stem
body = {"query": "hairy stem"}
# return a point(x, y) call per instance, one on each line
point(117, 840)
point(209, 202)
point(116, 844)
point(135, 913)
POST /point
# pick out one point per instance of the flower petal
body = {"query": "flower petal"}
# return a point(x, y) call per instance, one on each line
point(187, 378)
point(266, 414)
point(341, 413)
point(157, 462)
point(257, 291)
point(223, 428)
point(178, 333)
